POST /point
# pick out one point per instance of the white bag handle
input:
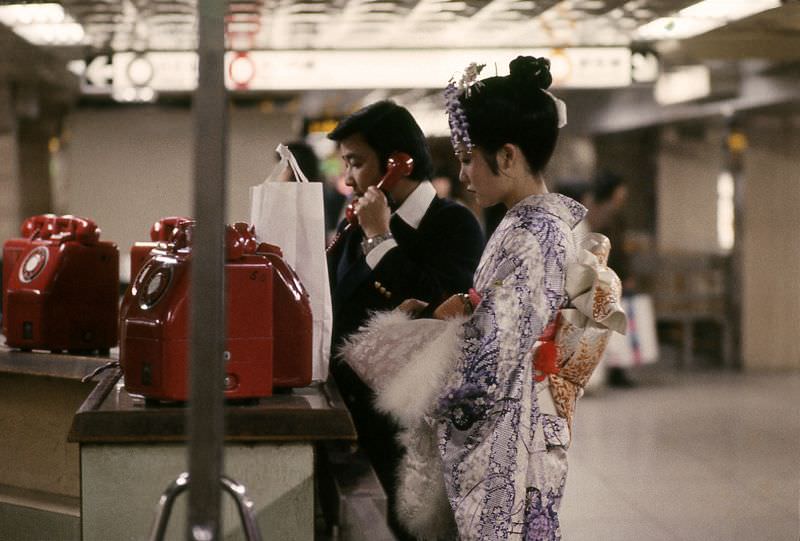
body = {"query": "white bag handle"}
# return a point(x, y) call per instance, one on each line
point(287, 156)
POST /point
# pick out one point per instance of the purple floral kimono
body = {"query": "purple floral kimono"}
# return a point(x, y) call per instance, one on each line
point(486, 445)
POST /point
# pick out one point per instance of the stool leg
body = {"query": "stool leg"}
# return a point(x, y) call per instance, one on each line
point(687, 355)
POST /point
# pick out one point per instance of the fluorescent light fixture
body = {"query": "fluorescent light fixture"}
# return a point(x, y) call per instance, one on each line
point(730, 10)
point(703, 17)
point(22, 14)
point(726, 236)
point(51, 34)
point(684, 84)
point(676, 28)
point(42, 24)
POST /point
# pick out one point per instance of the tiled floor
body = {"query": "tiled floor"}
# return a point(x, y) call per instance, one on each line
point(690, 456)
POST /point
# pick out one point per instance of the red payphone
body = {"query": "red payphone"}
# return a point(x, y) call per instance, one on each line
point(261, 292)
point(161, 232)
point(61, 286)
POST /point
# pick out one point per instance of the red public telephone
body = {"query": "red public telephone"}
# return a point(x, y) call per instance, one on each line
point(268, 319)
point(161, 232)
point(61, 285)
point(399, 165)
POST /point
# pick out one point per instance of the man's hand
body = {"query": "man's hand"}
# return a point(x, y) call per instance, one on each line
point(412, 307)
point(373, 212)
point(453, 307)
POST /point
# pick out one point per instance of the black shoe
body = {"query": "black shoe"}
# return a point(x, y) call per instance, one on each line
point(617, 377)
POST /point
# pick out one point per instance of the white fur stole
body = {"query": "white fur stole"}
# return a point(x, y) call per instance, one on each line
point(407, 363)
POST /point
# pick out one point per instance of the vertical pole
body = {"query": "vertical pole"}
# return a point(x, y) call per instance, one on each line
point(734, 146)
point(208, 328)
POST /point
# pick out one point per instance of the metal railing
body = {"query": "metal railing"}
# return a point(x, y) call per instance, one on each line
point(243, 504)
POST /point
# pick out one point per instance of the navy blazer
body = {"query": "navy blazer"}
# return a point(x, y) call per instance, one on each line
point(429, 263)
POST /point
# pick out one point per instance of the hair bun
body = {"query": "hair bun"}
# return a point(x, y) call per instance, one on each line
point(528, 70)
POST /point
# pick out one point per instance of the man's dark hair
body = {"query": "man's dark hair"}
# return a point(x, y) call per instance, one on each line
point(605, 184)
point(388, 127)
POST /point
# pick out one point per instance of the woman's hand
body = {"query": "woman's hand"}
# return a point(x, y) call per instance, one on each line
point(373, 212)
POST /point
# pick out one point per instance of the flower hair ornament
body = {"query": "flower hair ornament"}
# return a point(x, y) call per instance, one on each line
point(457, 119)
point(459, 127)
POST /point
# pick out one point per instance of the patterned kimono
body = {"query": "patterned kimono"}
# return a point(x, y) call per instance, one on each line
point(480, 433)
point(504, 460)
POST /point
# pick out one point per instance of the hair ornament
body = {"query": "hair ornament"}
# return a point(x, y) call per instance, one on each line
point(459, 127)
point(561, 109)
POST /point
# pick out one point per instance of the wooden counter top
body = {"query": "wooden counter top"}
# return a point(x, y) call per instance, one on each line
point(111, 415)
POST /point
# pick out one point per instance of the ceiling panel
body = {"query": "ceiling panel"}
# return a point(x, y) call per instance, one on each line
point(137, 25)
point(374, 25)
point(346, 24)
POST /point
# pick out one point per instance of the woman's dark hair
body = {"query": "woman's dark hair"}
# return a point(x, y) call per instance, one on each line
point(388, 127)
point(514, 109)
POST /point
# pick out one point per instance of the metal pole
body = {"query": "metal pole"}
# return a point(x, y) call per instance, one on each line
point(206, 398)
point(734, 146)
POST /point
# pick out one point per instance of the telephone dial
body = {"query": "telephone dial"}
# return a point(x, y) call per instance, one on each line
point(398, 165)
point(61, 285)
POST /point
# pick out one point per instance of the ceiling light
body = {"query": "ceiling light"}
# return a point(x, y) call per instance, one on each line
point(20, 14)
point(675, 28)
point(683, 84)
point(51, 34)
point(703, 17)
point(42, 24)
point(730, 10)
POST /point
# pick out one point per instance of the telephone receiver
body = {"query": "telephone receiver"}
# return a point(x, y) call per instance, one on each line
point(399, 165)
point(163, 229)
point(61, 228)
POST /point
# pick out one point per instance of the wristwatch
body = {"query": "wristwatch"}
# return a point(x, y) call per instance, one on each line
point(369, 243)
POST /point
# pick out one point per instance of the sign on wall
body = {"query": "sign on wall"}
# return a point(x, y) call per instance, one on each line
point(176, 71)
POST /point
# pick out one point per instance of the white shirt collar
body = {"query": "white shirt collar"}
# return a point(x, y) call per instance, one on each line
point(416, 204)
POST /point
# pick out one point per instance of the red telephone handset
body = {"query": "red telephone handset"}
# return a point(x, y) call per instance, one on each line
point(399, 165)
point(163, 228)
point(35, 225)
point(71, 227)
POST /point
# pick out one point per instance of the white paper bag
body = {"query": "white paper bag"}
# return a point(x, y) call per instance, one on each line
point(290, 215)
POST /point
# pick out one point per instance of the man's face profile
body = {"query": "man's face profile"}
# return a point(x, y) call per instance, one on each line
point(361, 168)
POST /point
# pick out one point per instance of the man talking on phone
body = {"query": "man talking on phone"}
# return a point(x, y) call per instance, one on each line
point(407, 243)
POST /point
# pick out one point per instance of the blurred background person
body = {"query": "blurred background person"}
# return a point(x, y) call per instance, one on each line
point(605, 199)
point(309, 163)
point(447, 186)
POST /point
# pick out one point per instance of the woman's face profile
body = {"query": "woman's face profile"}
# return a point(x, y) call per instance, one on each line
point(478, 177)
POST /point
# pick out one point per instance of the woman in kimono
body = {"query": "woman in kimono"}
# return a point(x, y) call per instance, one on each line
point(483, 391)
